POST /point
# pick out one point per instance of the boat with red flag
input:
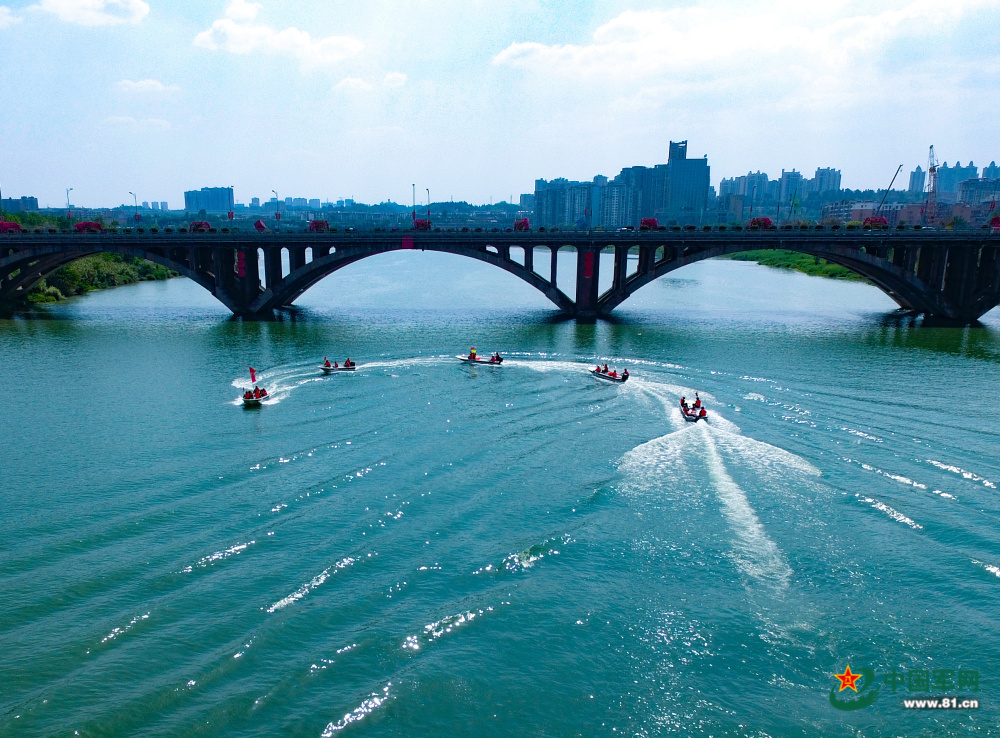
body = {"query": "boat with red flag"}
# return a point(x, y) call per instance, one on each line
point(254, 397)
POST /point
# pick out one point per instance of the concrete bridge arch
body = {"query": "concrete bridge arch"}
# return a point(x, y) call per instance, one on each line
point(303, 275)
point(951, 275)
point(21, 270)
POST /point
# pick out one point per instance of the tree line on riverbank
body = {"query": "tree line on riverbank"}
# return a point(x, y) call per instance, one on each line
point(97, 272)
point(811, 265)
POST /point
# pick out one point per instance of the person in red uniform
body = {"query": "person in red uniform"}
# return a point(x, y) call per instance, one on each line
point(703, 414)
point(326, 361)
point(472, 354)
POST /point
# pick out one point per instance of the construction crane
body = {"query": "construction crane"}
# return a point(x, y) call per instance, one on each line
point(880, 221)
point(930, 210)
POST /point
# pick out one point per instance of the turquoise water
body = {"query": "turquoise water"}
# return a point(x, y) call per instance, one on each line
point(428, 548)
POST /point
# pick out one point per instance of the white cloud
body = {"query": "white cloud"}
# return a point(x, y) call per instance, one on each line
point(145, 124)
point(96, 12)
point(740, 40)
point(352, 84)
point(241, 10)
point(144, 86)
point(394, 79)
point(7, 19)
point(238, 34)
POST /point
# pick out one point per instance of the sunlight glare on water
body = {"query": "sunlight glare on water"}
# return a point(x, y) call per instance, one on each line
point(423, 547)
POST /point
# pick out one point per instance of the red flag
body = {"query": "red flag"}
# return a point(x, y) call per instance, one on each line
point(253, 375)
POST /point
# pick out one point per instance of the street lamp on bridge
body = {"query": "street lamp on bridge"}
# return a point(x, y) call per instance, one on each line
point(135, 198)
point(277, 206)
point(69, 212)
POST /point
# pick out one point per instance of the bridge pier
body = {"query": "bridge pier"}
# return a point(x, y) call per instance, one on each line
point(988, 278)
point(588, 268)
point(957, 282)
point(272, 267)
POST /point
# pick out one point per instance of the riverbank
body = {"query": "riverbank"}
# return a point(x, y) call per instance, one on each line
point(795, 261)
point(97, 272)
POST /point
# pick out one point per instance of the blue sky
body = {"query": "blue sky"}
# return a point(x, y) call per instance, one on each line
point(475, 100)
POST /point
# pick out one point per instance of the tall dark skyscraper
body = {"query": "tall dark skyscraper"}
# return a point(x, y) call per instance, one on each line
point(677, 190)
point(687, 184)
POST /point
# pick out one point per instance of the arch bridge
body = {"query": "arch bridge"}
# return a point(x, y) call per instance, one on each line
point(951, 275)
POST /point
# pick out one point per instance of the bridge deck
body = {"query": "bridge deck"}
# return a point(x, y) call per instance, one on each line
point(953, 274)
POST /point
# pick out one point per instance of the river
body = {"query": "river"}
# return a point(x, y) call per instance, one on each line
point(428, 548)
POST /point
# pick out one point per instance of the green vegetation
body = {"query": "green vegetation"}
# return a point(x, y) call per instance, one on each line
point(96, 272)
point(804, 263)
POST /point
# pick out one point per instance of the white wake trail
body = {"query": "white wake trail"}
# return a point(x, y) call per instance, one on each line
point(756, 554)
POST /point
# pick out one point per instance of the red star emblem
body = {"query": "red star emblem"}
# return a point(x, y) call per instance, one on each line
point(847, 679)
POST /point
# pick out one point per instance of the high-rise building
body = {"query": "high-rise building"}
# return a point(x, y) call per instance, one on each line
point(255, 202)
point(687, 184)
point(615, 205)
point(826, 180)
point(314, 203)
point(566, 203)
point(209, 199)
point(163, 205)
point(754, 186)
point(979, 191)
point(155, 205)
point(678, 190)
point(145, 205)
point(527, 202)
point(949, 178)
point(791, 186)
point(730, 186)
point(19, 204)
point(917, 178)
point(643, 201)
point(992, 171)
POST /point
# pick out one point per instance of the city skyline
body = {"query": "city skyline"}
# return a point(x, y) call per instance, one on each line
point(475, 103)
point(789, 184)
